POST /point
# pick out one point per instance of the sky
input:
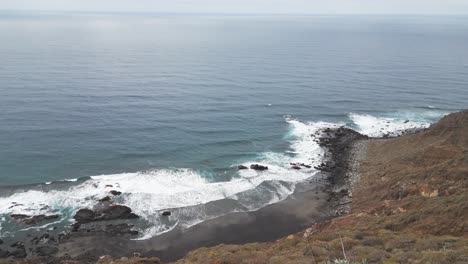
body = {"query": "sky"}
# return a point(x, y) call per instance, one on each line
point(425, 7)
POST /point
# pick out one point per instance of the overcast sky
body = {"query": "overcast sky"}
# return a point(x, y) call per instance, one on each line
point(455, 7)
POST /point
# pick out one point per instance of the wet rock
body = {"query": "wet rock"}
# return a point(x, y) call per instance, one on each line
point(19, 216)
point(109, 186)
point(1, 241)
point(242, 167)
point(17, 245)
point(15, 205)
point(115, 193)
point(300, 165)
point(84, 215)
point(4, 253)
point(75, 227)
point(104, 212)
point(296, 167)
point(166, 213)
point(46, 251)
point(105, 199)
point(18, 253)
point(32, 220)
point(40, 218)
point(120, 229)
point(117, 212)
point(258, 167)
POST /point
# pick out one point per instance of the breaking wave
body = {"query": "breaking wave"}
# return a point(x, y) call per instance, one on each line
point(191, 197)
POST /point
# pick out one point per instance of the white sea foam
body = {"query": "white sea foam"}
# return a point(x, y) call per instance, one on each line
point(393, 124)
point(149, 192)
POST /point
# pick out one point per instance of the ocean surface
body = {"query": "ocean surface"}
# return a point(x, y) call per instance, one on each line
point(164, 107)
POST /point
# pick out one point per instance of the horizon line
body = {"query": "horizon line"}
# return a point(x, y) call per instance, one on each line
point(231, 13)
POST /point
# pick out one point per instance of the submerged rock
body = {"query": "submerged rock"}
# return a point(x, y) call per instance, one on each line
point(242, 167)
point(258, 167)
point(115, 193)
point(32, 220)
point(105, 199)
point(166, 213)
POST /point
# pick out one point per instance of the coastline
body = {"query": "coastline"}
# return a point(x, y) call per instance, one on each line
point(320, 205)
point(408, 206)
point(325, 195)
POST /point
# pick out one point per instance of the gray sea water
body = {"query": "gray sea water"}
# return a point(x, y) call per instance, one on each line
point(166, 105)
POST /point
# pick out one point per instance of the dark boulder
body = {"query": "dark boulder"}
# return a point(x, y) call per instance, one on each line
point(242, 167)
point(75, 227)
point(19, 217)
point(84, 215)
point(104, 211)
point(105, 199)
point(117, 212)
point(258, 167)
point(296, 167)
point(166, 213)
point(115, 193)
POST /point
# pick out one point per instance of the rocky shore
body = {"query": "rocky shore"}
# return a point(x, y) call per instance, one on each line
point(408, 205)
point(110, 226)
point(335, 203)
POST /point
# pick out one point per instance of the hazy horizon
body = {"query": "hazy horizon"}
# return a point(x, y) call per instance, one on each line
point(312, 7)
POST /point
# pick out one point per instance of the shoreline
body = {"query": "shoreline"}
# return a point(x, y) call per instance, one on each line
point(409, 206)
point(316, 200)
point(326, 195)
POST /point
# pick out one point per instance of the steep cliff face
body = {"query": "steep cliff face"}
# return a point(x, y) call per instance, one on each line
point(409, 206)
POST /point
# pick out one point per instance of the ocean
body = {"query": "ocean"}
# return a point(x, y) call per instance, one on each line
point(164, 107)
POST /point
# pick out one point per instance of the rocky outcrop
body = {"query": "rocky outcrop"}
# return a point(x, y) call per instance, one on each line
point(298, 166)
point(33, 220)
point(258, 167)
point(242, 167)
point(115, 193)
point(107, 212)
